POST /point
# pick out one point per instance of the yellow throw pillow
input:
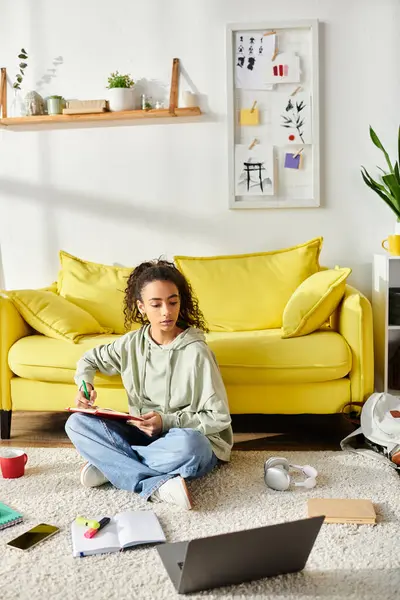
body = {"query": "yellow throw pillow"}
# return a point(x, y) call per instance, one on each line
point(248, 292)
point(51, 315)
point(313, 302)
point(98, 289)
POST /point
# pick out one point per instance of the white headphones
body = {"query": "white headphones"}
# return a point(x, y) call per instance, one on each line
point(276, 474)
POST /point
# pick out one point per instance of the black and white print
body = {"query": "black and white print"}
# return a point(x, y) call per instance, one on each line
point(254, 170)
point(253, 51)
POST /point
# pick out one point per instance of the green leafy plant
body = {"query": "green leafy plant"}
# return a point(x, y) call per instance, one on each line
point(116, 80)
point(388, 188)
point(55, 98)
point(23, 55)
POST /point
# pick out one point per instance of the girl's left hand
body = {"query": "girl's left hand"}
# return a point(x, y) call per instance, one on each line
point(151, 425)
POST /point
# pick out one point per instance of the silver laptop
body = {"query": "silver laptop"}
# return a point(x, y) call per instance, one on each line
point(241, 556)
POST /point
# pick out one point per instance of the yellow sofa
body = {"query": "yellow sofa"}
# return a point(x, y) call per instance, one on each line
point(264, 374)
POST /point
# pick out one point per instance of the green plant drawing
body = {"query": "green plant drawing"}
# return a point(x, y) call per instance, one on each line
point(293, 119)
point(388, 188)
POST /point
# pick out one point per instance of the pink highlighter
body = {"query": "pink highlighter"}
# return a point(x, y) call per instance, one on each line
point(92, 532)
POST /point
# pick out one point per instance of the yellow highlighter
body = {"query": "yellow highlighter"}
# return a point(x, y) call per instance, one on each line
point(87, 522)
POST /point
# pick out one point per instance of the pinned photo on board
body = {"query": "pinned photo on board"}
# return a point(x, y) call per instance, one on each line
point(292, 119)
point(284, 69)
point(294, 160)
point(254, 170)
point(253, 54)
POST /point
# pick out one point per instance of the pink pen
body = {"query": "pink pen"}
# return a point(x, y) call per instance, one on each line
point(92, 532)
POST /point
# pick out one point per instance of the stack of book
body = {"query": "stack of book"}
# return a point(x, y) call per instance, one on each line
point(81, 107)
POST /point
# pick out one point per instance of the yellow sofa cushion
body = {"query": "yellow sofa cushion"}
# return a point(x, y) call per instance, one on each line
point(45, 359)
point(98, 289)
point(313, 302)
point(245, 357)
point(249, 291)
point(53, 316)
point(263, 357)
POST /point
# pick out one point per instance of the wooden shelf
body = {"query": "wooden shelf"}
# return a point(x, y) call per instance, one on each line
point(171, 112)
point(125, 115)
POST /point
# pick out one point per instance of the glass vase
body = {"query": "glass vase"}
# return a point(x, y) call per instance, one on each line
point(17, 108)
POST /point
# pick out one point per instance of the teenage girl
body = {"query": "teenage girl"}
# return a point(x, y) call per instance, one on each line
point(172, 381)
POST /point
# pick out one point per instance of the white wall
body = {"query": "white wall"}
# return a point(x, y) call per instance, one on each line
point(120, 194)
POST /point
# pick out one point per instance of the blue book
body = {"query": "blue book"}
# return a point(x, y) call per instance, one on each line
point(8, 516)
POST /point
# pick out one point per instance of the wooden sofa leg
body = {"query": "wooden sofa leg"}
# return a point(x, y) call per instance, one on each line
point(5, 424)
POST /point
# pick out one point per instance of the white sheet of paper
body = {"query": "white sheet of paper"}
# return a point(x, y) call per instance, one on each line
point(253, 53)
point(138, 527)
point(254, 170)
point(287, 69)
point(291, 119)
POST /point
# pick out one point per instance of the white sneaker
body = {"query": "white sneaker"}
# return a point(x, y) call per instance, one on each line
point(91, 476)
point(173, 491)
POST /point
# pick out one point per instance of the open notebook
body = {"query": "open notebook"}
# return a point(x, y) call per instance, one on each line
point(125, 530)
point(109, 413)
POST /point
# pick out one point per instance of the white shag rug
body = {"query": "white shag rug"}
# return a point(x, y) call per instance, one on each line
point(347, 561)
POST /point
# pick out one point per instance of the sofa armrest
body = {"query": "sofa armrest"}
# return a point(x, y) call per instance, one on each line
point(353, 320)
point(12, 328)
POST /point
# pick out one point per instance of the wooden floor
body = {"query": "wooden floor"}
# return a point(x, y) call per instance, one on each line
point(251, 432)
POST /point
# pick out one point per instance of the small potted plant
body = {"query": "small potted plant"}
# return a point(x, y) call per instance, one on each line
point(120, 95)
point(54, 105)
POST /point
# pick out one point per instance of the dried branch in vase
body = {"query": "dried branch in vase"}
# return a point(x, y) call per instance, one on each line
point(23, 55)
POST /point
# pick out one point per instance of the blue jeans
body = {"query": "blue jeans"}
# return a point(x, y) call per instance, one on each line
point(133, 461)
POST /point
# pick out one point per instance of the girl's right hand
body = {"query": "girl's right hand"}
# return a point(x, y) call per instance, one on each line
point(82, 402)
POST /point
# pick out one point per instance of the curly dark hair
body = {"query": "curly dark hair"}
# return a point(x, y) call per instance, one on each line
point(190, 314)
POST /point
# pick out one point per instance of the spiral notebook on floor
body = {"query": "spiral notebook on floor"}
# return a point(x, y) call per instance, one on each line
point(8, 516)
point(125, 530)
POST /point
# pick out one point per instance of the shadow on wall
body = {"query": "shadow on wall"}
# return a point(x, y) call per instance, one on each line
point(50, 73)
point(157, 90)
point(202, 98)
point(52, 198)
point(2, 280)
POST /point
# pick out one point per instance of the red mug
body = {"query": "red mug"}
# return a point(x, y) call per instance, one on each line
point(12, 462)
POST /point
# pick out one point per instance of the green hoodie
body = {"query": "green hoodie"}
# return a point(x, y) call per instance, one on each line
point(181, 381)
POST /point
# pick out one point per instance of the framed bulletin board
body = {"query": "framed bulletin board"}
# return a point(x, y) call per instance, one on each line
point(273, 116)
